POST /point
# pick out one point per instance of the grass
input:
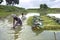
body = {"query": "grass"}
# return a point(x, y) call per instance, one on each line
point(49, 10)
point(7, 10)
point(32, 10)
point(48, 23)
point(29, 21)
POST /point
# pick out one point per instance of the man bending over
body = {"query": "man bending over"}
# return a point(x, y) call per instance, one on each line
point(16, 21)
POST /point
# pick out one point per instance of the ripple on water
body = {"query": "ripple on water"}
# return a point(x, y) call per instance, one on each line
point(5, 31)
point(25, 33)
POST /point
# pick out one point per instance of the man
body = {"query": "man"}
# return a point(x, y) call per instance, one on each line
point(16, 21)
point(23, 17)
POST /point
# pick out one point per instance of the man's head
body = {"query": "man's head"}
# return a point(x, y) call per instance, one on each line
point(22, 14)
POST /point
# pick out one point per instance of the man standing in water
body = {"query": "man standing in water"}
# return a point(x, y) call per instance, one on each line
point(16, 21)
point(23, 17)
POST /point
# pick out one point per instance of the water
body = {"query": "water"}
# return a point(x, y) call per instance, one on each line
point(5, 30)
point(57, 15)
point(24, 33)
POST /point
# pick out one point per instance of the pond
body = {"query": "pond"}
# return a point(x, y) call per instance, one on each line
point(25, 32)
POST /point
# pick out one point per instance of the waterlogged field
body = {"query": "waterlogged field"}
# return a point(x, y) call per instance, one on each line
point(26, 32)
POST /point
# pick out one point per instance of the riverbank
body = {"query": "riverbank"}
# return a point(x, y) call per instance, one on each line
point(8, 10)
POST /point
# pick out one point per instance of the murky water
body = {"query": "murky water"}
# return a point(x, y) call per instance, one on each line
point(57, 15)
point(24, 33)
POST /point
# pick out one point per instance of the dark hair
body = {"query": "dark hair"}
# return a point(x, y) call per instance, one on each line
point(22, 13)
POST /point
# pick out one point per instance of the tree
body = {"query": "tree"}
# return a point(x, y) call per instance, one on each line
point(9, 2)
point(1, 1)
point(43, 6)
point(43, 9)
point(16, 1)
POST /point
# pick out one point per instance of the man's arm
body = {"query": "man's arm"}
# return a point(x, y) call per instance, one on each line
point(13, 22)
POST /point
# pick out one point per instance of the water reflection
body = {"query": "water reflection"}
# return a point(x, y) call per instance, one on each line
point(37, 31)
point(16, 33)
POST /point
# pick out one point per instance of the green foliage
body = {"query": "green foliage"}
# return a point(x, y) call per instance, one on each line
point(9, 2)
point(33, 10)
point(50, 24)
point(52, 27)
point(7, 10)
point(10, 8)
point(16, 1)
point(43, 6)
point(43, 9)
point(29, 21)
point(53, 10)
point(1, 1)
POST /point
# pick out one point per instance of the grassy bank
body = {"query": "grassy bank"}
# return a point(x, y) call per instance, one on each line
point(29, 21)
point(7, 10)
point(44, 11)
point(48, 23)
point(49, 10)
point(33, 10)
